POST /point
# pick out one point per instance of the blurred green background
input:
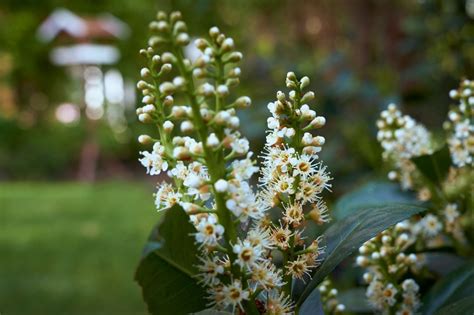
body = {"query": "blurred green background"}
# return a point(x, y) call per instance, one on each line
point(75, 206)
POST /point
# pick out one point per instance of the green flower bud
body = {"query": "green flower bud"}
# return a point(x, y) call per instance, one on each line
point(304, 82)
point(243, 102)
point(309, 96)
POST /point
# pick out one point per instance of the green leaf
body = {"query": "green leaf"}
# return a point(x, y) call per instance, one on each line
point(442, 263)
point(463, 306)
point(312, 305)
point(449, 289)
point(372, 194)
point(434, 167)
point(355, 300)
point(166, 270)
point(347, 235)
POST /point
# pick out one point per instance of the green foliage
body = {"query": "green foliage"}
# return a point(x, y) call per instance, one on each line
point(462, 306)
point(371, 194)
point(435, 166)
point(168, 266)
point(355, 300)
point(348, 234)
point(450, 289)
point(312, 305)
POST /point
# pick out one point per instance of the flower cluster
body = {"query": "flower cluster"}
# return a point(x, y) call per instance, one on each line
point(402, 138)
point(460, 125)
point(210, 166)
point(292, 177)
point(331, 305)
point(390, 291)
point(390, 257)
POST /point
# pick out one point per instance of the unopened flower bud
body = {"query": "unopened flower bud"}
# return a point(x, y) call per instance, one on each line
point(318, 122)
point(187, 126)
point(167, 88)
point(145, 118)
point(201, 44)
point(228, 44)
point(221, 186)
point(179, 82)
point(319, 140)
point(207, 89)
point(168, 57)
point(165, 68)
point(180, 153)
point(168, 100)
point(304, 82)
point(148, 109)
point(148, 99)
point(214, 31)
point(145, 73)
point(222, 90)
point(222, 117)
point(362, 261)
point(234, 122)
point(235, 56)
point(243, 102)
point(367, 277)
point(281, 96)
point(182, 39)
point(212, 140)
point(168, 126)
point(309, 96)
point(145, 139)
point(141, 85)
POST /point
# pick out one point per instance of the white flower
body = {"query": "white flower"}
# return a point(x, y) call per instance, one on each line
point(209, 231)
point(243, 169)
point(247, 254)
point(240, 146)
point(266, 275)
point(153, 161)
point(430, 225)
point(234, 294)
point(166, 197)
point(279, 304)
point(209, 270)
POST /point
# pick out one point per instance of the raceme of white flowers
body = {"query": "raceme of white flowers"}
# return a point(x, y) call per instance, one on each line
point(460, 125)
point(201, 150)
point(394, 254)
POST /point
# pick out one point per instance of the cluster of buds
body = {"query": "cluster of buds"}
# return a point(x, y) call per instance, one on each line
point(460, 125)
point(201, 150)
point(402, 138)
point(292, 178)
point(331, 305)
point(390, 291)
point(388, 256)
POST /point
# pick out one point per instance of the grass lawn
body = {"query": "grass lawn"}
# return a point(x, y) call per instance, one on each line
point(68, 248)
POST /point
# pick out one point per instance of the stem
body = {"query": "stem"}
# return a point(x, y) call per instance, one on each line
point(214, 161)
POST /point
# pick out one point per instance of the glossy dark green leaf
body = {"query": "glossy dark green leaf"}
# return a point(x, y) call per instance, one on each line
point(347, 235)
point(434, 167)
point(166, 270)
point(449, 289)
point(372, 194)
point(312, 305)
point(464, 306)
